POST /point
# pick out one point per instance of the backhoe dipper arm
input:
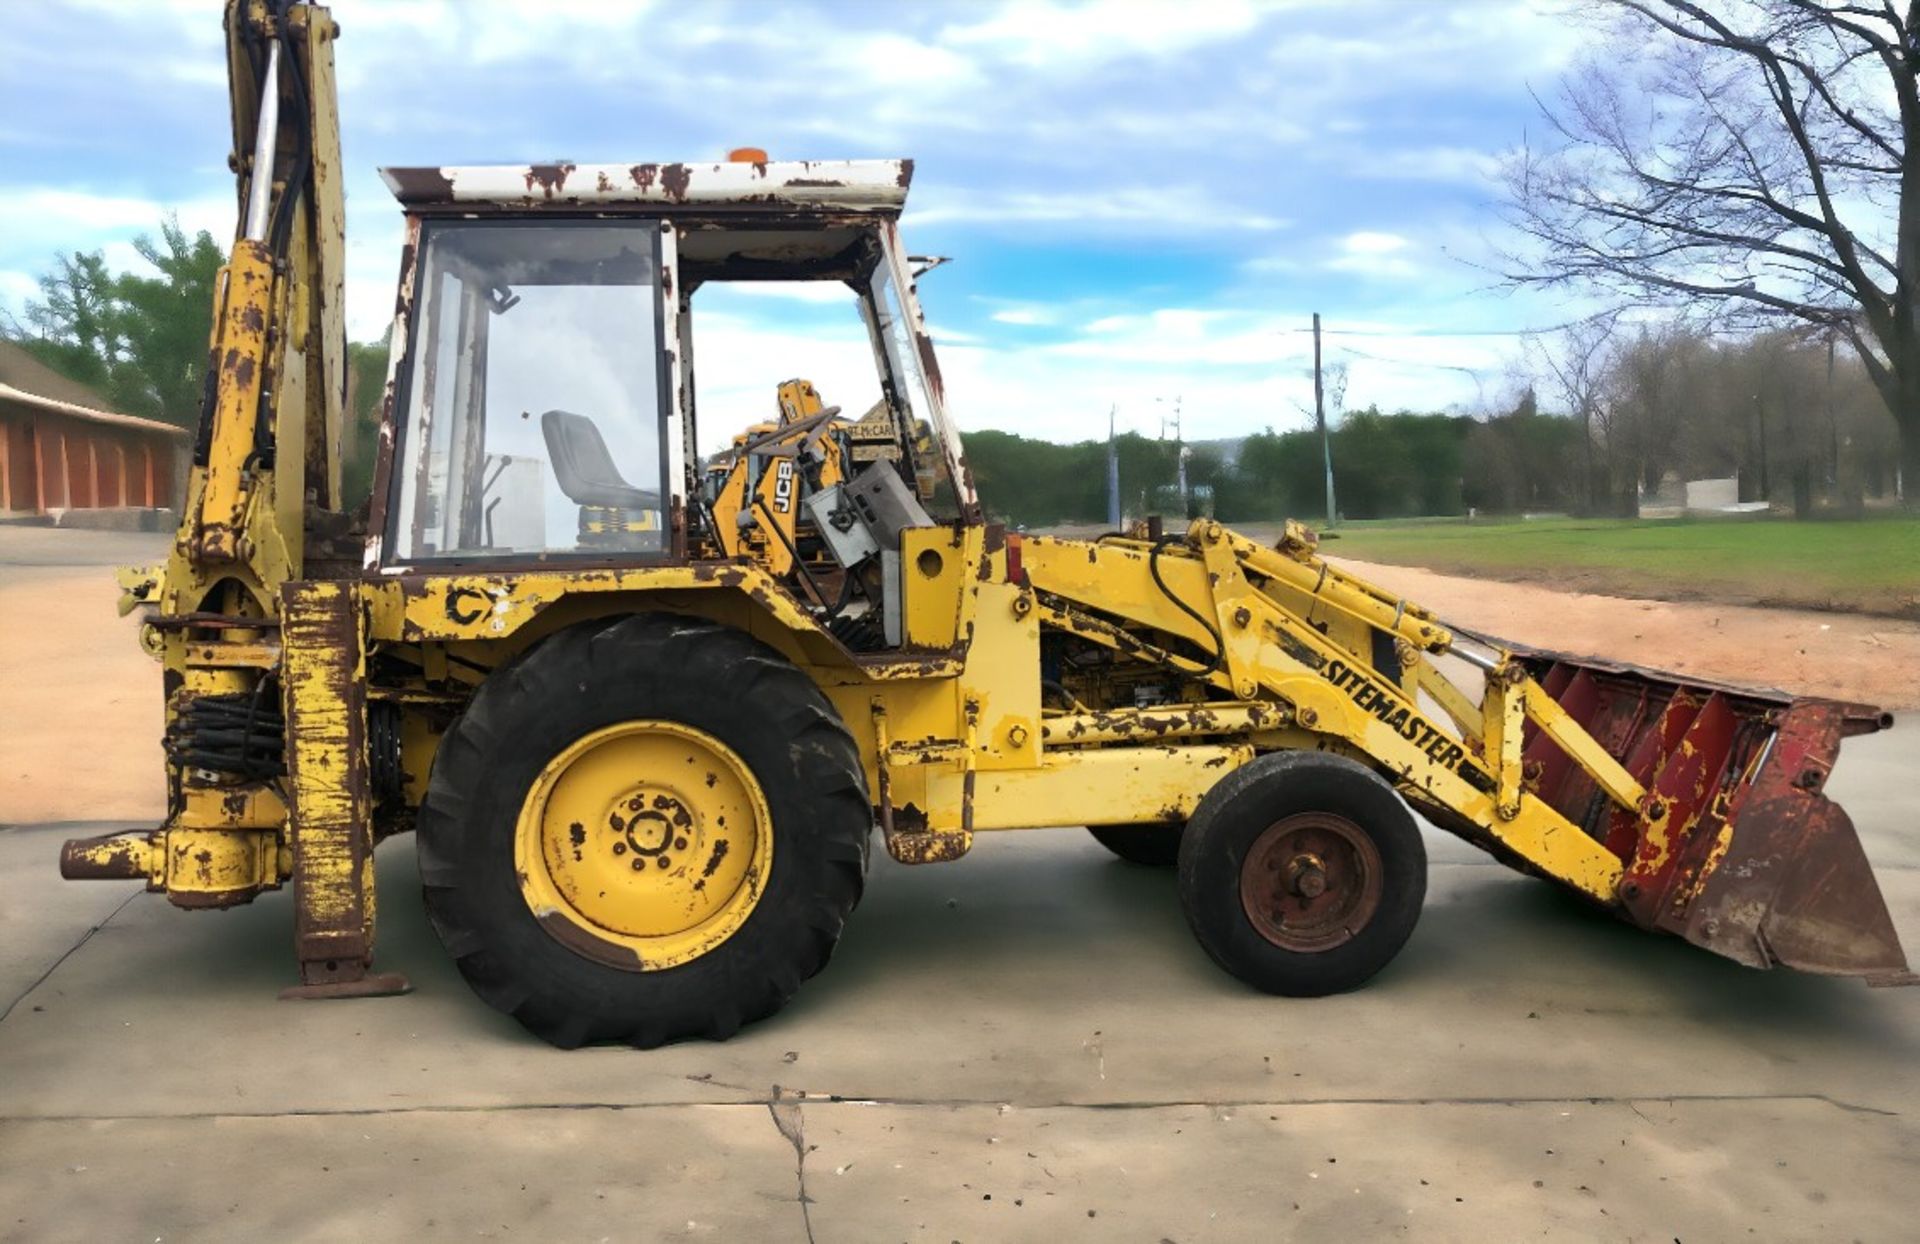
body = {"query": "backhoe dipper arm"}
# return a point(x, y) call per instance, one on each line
point(271, 424)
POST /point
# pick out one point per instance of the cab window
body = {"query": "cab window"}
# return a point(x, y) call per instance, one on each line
point(534, 396)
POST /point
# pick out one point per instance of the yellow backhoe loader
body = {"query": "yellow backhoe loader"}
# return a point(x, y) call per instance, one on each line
point(643, 723)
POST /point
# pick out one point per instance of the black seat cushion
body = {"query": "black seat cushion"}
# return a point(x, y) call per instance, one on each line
point(585, 468)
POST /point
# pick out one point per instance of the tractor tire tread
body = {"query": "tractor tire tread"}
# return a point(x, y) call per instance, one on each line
point(1232, 816)
point(591, 675)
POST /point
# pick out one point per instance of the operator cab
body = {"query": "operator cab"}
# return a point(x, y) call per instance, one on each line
point(543, 406)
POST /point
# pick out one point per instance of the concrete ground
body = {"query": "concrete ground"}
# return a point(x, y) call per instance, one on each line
point(1023, 1045)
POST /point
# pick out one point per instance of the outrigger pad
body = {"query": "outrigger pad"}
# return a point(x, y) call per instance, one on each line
point(373, 985)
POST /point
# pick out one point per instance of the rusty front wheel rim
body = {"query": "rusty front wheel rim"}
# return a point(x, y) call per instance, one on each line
point(1311, 882)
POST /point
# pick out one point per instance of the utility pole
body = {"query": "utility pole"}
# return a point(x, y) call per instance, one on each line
point(1833, 432)
point(1179, 453)
point(1180, 459)
point(1320, 418)
point(1113, 470)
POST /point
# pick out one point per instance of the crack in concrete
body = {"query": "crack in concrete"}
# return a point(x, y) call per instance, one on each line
point(785, 1107)
point(787, 1118)
point(67, 954)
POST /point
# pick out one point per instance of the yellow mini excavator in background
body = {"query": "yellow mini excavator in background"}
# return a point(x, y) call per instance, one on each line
point(643, 716)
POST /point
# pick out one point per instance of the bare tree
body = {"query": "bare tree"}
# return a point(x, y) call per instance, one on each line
point(1577, 366)
point(1747, 160)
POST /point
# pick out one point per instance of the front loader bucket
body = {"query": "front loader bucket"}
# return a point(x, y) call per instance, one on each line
point(1734, 847)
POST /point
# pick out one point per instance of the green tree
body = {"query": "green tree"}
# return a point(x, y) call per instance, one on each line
point(140, 340)
point(366, 393)
point(164, 322)
point(72, 326)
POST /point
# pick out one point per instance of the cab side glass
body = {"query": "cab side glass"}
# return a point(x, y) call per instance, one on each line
point(532, 397)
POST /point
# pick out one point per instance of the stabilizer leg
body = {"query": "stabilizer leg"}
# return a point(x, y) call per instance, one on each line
point(324, 686)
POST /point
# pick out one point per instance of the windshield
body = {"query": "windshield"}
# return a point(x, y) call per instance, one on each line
point(894, 334)
point(533, 395)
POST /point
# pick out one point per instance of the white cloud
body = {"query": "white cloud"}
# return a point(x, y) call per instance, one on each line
point(1192, 208)
point(1465, 166)
point(892, 60)
point(39, 222)
point(1024, 316)
point(1023, 118)
point(1368, 252)
point(1054, 36)
point(826, 293)
point(1368, 242)
point(59, 214)
point(15, 289)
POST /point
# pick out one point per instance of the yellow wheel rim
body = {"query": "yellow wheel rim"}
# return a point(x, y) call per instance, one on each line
point(644, 845)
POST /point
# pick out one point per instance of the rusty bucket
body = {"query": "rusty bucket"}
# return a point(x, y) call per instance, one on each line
point(1735, 847)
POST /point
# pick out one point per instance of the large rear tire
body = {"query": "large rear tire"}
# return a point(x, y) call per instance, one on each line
point(1154, 844)
point(1302, 873)
point(642, 831)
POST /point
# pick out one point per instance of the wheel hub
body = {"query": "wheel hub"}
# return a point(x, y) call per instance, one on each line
point(1307, 876)
point(644, 844)
point(1311, 882)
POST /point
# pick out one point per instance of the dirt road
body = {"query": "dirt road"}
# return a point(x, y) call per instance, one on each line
point(1843, 655)
point(80, 729)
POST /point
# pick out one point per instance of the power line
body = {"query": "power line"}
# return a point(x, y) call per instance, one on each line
point(1475, 372)
point(1440, 332)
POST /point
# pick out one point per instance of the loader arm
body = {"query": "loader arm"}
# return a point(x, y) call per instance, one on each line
point(1682, 806)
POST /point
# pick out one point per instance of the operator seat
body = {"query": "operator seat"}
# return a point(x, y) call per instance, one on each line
point(585, 467)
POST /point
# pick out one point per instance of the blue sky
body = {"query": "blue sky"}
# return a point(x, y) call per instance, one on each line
point(1144, 201)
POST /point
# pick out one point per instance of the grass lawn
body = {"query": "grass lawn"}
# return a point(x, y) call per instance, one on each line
point(1869, 566)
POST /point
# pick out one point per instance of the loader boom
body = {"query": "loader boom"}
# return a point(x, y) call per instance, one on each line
point(1625, 785)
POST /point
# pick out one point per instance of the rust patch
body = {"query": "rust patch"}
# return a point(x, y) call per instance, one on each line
point(550, 178)
point(714, 860)
point(578, 940)
point(674, 179)
point(928, 848)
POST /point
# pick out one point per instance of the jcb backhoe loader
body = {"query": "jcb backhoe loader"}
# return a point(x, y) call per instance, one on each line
point(643, 723)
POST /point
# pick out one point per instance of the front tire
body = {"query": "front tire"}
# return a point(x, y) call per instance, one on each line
point(642, 831)
point(1302, 873)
